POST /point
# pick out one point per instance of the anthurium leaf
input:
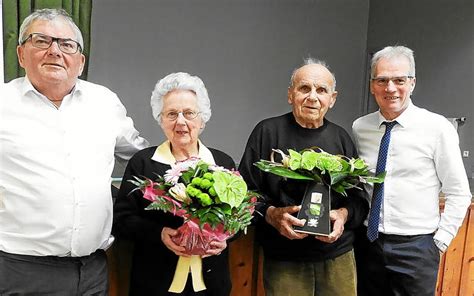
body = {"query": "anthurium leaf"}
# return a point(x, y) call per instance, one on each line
point(187, 176)
point(309, 159)
point(281, 171)
point(339, 189)
point(345, 164)
point(358, 163)
point(226, 208)
point(218, 212)
point(337, 177)
point(295, 159)
point(376, 179)
point(230, 188)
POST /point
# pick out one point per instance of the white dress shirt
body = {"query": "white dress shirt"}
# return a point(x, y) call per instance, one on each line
point(423, 158)
point(56, 166)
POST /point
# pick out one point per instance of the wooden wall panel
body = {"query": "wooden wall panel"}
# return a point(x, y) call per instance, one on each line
point(439, 283)
point(242, 261)
point(454, 257)
point(467, 275)
point(119, 258)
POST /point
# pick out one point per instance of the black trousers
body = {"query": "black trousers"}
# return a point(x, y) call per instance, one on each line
point(398, 265)
point(51, 275)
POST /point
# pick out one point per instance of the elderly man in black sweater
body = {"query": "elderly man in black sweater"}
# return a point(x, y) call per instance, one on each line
point(297, 263)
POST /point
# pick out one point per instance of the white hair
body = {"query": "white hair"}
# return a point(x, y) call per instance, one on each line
point(391, 52)
point(49, 15)
point(182, 81)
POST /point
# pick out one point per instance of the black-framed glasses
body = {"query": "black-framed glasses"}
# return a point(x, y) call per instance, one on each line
point(43, 41)
point(383, 81)
point(188, 114)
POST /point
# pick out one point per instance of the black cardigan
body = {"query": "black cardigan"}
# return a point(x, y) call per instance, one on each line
point(153, 263)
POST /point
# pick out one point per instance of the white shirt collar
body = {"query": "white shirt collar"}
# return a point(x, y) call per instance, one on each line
point(163, 154)
point(26, 87)
point(404, 119)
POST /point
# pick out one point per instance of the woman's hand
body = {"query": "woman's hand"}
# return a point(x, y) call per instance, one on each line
point(216, 248)
point(166, 235)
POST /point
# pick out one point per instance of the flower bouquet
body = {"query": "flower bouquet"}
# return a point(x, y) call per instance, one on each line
point(328, 172)
point(214, 202)
point(336, 171)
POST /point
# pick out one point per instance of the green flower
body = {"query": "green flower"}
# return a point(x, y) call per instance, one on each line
point(204, 199)
point(328, 162)
point(196, 181)
point(295, 159)
point(230, 188)
point(357, 164)
point(309, 160)
point(208, 176)
point(206, 184)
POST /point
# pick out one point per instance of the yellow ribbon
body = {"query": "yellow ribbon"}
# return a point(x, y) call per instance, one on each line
point(193, 263)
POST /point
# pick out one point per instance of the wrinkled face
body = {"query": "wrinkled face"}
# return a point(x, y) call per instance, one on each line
point(393, 96)
point(181, 132)
point(311, 95)
point(50, 67)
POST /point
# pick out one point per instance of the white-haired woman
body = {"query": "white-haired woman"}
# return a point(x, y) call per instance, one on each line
point(181, 106)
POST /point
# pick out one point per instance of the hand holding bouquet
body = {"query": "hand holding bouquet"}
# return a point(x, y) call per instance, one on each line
point(214, 202)
point(337, 171)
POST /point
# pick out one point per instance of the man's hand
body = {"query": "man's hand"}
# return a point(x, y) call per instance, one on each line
point(166, 235)
point(283, 221)
point(339, 218)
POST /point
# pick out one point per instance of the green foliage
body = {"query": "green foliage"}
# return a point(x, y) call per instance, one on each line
point(280, 170)
point(339, 172)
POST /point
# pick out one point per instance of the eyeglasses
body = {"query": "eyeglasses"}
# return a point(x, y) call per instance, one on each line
point(383, 81)
point(188, 114)
point(43, 41)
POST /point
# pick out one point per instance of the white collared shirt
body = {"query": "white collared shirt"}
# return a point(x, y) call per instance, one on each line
point(423, 158)
point(56, 165)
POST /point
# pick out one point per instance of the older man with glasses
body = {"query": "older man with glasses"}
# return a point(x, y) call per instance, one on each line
point(398, 252)
point(58, 137)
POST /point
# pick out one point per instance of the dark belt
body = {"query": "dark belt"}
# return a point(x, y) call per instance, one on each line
point(398, 237)
point(53, 259)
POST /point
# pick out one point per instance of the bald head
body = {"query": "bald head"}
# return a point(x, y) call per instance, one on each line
point(309, 62)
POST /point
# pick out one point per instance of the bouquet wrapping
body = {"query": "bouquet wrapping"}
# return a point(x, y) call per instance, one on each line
point(197, 240)
point(213, 201)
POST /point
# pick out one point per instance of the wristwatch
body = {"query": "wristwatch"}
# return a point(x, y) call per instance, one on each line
point(441, 246)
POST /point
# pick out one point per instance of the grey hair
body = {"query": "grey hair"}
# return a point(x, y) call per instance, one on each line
point(182, 81)
point(391, 52)
point(312, 61)
point(49, 14)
